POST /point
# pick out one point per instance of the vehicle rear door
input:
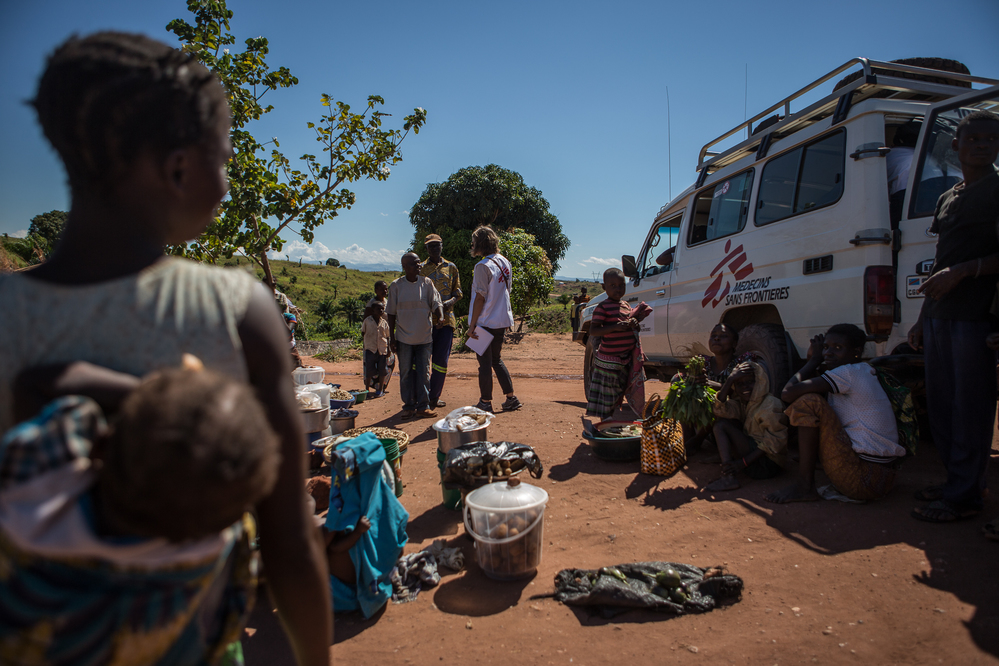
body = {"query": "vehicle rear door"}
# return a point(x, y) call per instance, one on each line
point(936, 169)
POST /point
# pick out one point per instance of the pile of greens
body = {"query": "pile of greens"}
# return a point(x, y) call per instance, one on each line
point(690, 402)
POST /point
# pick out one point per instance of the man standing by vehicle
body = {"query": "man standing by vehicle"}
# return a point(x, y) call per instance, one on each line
point(444, 275)
point(955, 321)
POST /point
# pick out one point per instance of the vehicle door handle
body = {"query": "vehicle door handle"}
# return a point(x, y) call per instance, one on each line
point(661, 292)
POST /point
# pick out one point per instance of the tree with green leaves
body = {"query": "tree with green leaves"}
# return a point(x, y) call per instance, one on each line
point(46, 230)
point(268, 195)
point(564, 299)
point(491, 195)
point(532, 273)
point(332, 261)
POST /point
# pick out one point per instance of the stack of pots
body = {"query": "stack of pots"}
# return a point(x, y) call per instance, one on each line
point(447, 440)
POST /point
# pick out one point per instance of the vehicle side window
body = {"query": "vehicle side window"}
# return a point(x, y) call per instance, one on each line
point(803, 179)
point(662, 238)
point(721, 210)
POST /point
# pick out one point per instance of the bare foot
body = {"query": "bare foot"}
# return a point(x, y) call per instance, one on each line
point(793, 493)
point(726, 482)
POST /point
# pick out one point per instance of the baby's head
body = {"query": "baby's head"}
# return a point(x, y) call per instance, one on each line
point(105, 99)
point(189, 452)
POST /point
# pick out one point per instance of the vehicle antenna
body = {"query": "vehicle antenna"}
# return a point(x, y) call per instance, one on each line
point(745, 102)
point(669, 150)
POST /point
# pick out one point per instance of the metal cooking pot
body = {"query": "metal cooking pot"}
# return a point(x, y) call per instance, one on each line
point(341, 424)
point(315, 420)
point(447, 440)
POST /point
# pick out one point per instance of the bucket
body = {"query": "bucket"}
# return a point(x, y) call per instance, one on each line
point(308, 375)
point(452, 498)
point(507, 522)
point(449, 439)
point(394, 458)
point(322, 390)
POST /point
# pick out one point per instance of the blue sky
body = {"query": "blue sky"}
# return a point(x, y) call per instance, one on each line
point(570, 95)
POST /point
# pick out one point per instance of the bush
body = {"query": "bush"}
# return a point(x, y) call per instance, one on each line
point(549, 320)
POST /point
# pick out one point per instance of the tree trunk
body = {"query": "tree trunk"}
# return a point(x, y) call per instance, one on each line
point(268, 276)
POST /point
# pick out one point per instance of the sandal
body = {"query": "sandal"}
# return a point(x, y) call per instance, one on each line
point(942, 512)
point(991, 530)
point(929, 493)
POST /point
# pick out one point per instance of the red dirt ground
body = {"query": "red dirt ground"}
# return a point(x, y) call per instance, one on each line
point(825, 582)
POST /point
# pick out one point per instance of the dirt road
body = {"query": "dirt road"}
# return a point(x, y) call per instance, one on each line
point(825, 582)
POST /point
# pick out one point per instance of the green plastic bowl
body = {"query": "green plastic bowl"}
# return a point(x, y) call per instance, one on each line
point(359, 396)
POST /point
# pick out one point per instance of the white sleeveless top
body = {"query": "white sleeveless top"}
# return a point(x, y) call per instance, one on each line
point(134, 324)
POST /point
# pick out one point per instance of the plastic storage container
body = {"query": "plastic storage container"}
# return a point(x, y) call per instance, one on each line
point(308, 375)
point(507, 521)
point(322, 390)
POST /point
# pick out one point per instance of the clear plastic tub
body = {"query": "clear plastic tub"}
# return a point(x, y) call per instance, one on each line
point(507, 522)
point(308, 375)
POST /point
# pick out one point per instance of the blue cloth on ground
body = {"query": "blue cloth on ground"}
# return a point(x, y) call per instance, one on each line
point(358, 489)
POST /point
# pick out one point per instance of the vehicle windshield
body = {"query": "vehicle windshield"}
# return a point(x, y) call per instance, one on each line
point(663, 239)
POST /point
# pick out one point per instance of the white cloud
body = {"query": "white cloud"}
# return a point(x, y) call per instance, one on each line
point(355, 254)
point(384, 214)
point(21, 233)
point(585, 263)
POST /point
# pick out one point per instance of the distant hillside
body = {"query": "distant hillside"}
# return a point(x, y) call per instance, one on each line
point(307, 284)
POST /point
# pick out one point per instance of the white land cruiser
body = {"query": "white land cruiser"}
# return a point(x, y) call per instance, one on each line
point(791, 231)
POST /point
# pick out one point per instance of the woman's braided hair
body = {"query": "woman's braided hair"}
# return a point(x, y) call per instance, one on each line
point(105, 98)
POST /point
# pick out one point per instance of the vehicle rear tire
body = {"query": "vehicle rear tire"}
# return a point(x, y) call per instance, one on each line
point(768, 341)
point(587, 364)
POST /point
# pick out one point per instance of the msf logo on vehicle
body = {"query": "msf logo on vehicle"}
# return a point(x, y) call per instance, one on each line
point(734, 261)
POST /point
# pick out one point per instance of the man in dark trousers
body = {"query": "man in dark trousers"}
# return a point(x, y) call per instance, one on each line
point(956, 319)
point(444, 275)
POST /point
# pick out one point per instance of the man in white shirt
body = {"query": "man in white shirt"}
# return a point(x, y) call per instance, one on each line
point(413, 304)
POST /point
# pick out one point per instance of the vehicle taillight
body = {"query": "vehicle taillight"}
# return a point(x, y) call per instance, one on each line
point(879, 300)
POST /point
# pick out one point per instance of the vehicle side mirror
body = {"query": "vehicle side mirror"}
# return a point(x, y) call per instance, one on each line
point(628, 266)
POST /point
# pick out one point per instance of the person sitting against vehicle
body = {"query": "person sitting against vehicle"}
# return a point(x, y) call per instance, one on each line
point(617, 363)
point(844, 419)
point(717, 369)
point(751, 430)
point(127, 540)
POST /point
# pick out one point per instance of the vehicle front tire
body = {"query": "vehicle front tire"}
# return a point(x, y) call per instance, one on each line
point(587, 364)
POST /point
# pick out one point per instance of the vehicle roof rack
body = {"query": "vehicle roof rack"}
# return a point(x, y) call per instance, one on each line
point(889, 78)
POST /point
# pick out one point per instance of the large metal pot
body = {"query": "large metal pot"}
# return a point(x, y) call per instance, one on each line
point(341, 424)
point(315, 420)
point(447, 440)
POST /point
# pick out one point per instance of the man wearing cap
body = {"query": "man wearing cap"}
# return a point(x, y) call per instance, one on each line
point(444, 275)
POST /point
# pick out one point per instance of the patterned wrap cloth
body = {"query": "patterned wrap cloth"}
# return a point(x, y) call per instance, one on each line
point(68, 596)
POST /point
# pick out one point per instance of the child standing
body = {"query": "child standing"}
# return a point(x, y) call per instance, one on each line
point(617, 363)
point(375, 330)
point(751, 430)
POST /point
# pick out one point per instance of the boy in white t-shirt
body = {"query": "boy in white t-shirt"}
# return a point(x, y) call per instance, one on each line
point(843, 417)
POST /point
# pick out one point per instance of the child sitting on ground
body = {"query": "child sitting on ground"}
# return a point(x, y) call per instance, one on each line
point(124, 543)
point(844, 418)
point(617, 363)
point(751, 430)
point(375, 330)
